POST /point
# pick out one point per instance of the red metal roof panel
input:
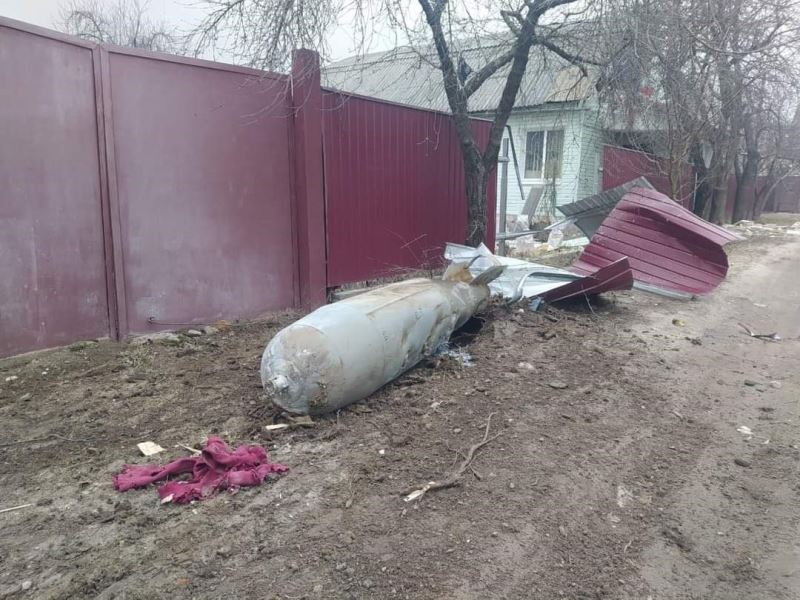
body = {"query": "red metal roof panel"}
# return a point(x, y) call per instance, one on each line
point(667, 246)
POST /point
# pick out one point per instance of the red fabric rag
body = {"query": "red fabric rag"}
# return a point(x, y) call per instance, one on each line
point(216, 468)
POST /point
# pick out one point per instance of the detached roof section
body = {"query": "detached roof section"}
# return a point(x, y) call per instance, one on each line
point(408, 75)
point(671, 250)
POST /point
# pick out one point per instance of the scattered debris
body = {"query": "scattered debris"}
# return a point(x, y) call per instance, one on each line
point(750, 228)
point(12, 508)
point(277, 426)
point(460, 355)
point(189, 448)
point(454, 478)
point(149, 448)
point(523, 279)
point(624, 496)
point(217, 468)
point(342, 352)
point(764, 336)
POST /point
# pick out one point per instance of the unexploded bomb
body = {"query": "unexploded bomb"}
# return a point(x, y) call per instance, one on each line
point(342, 352)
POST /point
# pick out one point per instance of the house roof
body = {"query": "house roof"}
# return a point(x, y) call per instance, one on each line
point(411, 76)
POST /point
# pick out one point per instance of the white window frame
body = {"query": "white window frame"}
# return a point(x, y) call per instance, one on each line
point(541, 178)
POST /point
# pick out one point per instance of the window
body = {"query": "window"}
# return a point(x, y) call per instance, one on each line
point(543, 154)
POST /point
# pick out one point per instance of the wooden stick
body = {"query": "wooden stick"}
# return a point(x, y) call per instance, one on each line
point(4, 510)
point(454, 479)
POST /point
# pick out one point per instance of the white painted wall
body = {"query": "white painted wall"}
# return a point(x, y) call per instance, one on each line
point(580, 175)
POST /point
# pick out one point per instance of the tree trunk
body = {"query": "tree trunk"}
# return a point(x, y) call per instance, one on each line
point(477, 180)
point(703, 191)
point(744, 202)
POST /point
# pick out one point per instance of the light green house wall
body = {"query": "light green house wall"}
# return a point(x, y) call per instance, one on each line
point(580, 171)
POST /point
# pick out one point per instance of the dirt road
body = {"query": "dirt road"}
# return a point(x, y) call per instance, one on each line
point(619, 472)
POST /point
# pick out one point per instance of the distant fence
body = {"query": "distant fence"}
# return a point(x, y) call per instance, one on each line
point(141, 191)
point(622, 164)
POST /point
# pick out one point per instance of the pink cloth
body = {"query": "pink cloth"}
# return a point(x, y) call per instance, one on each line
point(216, 468)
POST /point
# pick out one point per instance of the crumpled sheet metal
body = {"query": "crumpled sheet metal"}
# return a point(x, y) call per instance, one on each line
point(590, 212)
point(523, 279)
point(671, 250)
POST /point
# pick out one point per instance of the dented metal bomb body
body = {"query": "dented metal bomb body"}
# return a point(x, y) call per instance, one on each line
point(342, 352)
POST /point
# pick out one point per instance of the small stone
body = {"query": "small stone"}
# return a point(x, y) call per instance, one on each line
point(558, 385)
point(194, 333)
point(742, 462)
point(367, 583)
point(678, 322)
point(318, 588)
point(11, 378)
point(457, 430)
point(26, 585)
point(776, 384)
point(26, 397)
point(224, 551)
point(341, 567)
point(494, 534)
point(750, 383)
point(209, 330)
point(512, 485)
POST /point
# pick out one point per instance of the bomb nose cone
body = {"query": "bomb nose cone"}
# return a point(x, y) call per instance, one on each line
point(279, 383)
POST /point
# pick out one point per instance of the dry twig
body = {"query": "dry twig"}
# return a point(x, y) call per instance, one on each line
point(454, 479)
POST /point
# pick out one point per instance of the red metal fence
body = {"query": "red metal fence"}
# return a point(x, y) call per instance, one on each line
point(200, 193)
point(141, 191)
point(394, 187)
point(52, 267)
point(620, 165)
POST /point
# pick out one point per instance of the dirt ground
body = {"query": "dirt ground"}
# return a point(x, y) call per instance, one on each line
point(619, 472)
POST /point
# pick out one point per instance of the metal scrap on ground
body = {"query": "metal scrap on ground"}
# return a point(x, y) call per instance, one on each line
point(671, 250)
point(523, 279)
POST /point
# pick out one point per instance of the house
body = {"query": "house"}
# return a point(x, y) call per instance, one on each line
point(555, 129)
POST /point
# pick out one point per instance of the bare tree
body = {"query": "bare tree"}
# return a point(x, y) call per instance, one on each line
point(720, 67)
point(120, 22)
point(262, 33)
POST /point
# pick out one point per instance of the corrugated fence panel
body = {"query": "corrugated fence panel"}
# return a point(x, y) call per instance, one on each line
point(394, 187)
point(203, 191)
point(52, 270)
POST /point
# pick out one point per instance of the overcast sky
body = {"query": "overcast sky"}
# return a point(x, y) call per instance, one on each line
point(182, 14)
point(45, 12)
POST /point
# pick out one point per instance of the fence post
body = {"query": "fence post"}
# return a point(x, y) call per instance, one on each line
point(308, 173)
